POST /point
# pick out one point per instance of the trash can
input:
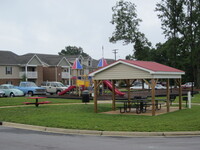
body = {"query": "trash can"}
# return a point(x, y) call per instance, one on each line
point(85, 96)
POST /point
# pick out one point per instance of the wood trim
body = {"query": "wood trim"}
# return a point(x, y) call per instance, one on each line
point(153, 84)
point(180, 93)
point(168, 96)
point(95, 96)
point(113, 96)
point(128, 89)
point(149, 84)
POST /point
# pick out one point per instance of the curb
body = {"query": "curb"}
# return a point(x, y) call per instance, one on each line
point(99, 133)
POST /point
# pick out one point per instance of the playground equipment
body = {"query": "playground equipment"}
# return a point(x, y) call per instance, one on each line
point(110, 87)
point(67, 90)
point(103, 63)
point(79, 84)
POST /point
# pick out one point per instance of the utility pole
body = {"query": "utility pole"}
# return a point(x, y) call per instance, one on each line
point(115, 52)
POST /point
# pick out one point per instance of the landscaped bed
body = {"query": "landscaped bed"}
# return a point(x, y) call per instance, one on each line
point(82, 116)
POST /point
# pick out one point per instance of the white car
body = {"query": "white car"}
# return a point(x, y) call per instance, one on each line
point(160, 86)
point(2, 93)
point(54, 87)
point(187, 85)
point(139, 86)
point(10, 90)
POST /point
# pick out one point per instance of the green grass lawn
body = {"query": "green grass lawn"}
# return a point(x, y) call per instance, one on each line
point(195, 99)
point(82, 116)
point(8, 101)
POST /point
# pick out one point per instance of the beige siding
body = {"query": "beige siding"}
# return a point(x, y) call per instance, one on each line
point(167, 76)
point(14, 75)
point(35, 61)
point(63, 63)
point(122, 71)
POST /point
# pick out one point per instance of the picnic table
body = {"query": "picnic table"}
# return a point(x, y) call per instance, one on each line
point(36, 103)
point(140, 105)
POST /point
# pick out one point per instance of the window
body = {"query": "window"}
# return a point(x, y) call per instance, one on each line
point(8, 70)
point(8, 82)
point(89, 63)
point(66, 70)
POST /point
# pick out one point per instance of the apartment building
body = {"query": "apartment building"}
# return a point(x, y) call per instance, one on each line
point(41, 67)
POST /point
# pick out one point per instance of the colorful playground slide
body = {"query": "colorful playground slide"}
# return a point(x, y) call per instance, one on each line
point(67, 90)
point(109, 84)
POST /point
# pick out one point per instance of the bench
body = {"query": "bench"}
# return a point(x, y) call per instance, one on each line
point(172, 98)
point(124, 109)
point(186, 101)
point(158, 105)
point(30, 103)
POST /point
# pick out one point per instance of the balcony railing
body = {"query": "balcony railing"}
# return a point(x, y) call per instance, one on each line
point(29, 75)
point(65, 75)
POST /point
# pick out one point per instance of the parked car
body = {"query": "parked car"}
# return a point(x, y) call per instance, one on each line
point(187, 85)
point(139, 86)
point(10, 90)
point(159, 86)
point(54, 87)
point(2, 93)
point(31, 88)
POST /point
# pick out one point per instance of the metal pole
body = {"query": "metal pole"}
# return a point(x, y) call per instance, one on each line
point(115, 52)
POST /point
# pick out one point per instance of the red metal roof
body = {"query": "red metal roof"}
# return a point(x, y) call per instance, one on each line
point(153, 66)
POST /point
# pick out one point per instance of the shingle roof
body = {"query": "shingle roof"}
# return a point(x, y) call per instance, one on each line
point(149, 66)
point(153, 66)
point(8, 58)
point(45, 58)
point(24, 59)
point(50, 59)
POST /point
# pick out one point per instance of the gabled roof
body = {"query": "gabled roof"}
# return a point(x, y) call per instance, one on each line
point(152, 68)
point(51, 60)
point(25, 59)
point(48, 59)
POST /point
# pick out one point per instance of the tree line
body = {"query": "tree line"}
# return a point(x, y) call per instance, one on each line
point(180, 22)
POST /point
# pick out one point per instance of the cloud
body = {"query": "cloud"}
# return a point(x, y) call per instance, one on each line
point(47, 26)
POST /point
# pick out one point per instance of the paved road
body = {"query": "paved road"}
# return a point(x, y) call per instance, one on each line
point(19, 139)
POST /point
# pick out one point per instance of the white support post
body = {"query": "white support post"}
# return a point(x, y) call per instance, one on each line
point(69, 75)
point(189, 100)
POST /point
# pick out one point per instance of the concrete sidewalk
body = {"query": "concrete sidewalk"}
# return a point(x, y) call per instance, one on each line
point(98, 133)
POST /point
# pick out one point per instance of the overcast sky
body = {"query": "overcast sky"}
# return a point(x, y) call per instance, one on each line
point(47, 26)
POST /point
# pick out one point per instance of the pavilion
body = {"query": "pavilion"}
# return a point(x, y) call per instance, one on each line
point(149, 72)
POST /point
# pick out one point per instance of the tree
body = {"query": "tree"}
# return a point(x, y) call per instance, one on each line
point(181, 24)
point(73, 50)
point(127, 28)
point(172, 16)
point(171, 13)
point(192, 37)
